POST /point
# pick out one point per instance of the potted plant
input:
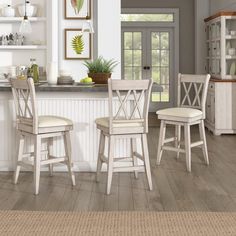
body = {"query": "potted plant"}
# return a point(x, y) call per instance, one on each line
point(100, 69)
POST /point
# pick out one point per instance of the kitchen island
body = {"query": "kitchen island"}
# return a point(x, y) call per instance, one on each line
point(81, 104)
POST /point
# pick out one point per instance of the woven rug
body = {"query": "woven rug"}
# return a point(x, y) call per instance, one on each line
point(117, 223)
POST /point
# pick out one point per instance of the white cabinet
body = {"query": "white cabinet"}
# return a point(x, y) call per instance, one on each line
point(221, 45)
point(221, 107)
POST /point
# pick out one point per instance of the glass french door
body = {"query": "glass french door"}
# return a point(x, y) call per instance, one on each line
point(149, 53)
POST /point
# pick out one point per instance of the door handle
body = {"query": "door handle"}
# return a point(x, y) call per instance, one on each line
point(146, 67)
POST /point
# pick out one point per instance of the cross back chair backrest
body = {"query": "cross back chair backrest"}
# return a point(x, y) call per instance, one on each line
point(133, 102)
point(25, 103)
point(192, 91)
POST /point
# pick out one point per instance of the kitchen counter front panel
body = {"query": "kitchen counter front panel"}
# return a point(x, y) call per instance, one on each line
point(81, 108)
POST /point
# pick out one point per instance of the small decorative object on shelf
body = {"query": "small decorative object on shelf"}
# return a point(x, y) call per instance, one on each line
point(12, 39)
point(100, 69)
point(8, 11)
point(33, 71)
point(52, 73)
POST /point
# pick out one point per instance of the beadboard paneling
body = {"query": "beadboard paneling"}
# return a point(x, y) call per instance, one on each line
point(82, 109)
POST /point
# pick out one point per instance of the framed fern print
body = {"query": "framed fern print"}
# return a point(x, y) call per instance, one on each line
point(77, 45)
point(77, 9)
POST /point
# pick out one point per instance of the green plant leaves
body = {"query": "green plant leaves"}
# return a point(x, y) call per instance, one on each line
point(100, 65)
point(77, 5)
point(78, 44)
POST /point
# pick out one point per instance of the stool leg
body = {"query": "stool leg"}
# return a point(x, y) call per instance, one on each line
point(146, 160)
point(133, 148)
point(100, 153)
point(161, 141)
point(67, 143)
point(203, 138)
point(37, 159)
point(110, 162)
point(19, 158)
point(49, 148)
point(178, 138)
point(187, 138)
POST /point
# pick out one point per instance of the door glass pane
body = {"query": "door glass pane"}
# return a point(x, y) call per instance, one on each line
point(132, 55)
point(156, 75)
point(156, 57)
point(137, 73)
point(164, 58)
point(137, 41)
point(128, 57)
point(128, 40)
point(137, 57)
point(160, 46)
point(164, 40)
point(155, 40)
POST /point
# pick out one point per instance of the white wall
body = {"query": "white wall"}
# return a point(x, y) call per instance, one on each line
point(107, 41)
point(220, 5)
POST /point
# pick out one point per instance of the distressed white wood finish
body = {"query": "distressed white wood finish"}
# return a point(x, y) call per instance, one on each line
point(221, 108)
point(27, 125)
point(126, 121)
point(81, 108)
point(192, 93)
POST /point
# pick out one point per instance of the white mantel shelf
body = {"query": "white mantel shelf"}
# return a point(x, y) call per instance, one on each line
point(19, 19)
point(23, 47)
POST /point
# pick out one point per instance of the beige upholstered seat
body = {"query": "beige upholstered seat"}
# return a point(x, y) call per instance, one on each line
point(192, 91)
point(38, 128)
point(127, 120)
point(53, 121)
point(180, 114)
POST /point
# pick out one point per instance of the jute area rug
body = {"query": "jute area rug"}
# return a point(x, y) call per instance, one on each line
point(117, 223)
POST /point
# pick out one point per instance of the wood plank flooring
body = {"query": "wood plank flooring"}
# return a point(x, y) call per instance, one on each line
point(210, 188)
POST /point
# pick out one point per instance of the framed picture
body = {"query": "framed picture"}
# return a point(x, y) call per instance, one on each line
point(77, 45)
point(77, 9)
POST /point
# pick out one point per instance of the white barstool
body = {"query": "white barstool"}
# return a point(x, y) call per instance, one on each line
point(190, 111)
point(29, 124)
point(125, 122)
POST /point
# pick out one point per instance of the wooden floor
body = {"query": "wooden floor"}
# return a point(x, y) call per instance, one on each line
point(210, 188)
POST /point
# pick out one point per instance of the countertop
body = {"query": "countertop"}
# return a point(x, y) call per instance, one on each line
point(44, 87)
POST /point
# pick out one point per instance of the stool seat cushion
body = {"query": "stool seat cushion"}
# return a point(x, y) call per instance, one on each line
point(104, 121)
point(53, 121)
point(180, 114)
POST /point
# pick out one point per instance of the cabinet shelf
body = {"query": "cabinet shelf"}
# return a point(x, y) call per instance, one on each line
point(24, 47)
point(19, 19)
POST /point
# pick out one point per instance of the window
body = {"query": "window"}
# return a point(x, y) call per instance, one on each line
point(160, 17)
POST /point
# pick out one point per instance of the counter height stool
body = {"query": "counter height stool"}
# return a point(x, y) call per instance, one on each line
point(192, 93)
point(125, 121)
point(29, 124)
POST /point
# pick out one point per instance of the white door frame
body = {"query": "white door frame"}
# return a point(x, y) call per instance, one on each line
point(174, 25)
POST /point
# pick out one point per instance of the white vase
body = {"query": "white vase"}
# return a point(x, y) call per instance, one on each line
point(8, 11)
point(52, 73)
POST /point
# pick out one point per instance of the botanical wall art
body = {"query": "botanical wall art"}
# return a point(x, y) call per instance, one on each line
point(77, 45)
point(77, 9)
